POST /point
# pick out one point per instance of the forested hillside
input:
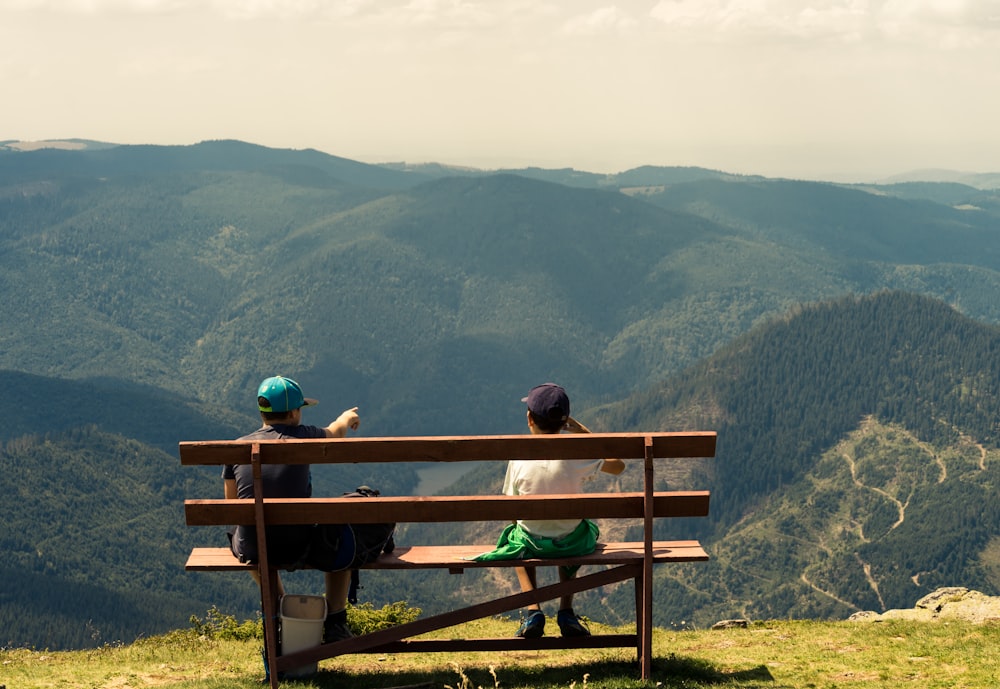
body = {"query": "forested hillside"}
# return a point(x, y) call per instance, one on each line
point(857, 463)
point(856, 467)
point(202, 269)
point(91, 520)
point(146, 290)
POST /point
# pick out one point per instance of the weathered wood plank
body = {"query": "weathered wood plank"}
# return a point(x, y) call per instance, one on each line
point(452, 448)
point(402, 509)
point(545, 643)
point(458, 557)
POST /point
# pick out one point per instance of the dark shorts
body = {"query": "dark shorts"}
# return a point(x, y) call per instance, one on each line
point(287, 545)
point(331, 547)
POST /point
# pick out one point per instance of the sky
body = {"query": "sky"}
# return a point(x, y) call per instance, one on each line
point(845, 90)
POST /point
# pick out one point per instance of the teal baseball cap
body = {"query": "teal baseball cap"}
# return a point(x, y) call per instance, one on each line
point(278, 394)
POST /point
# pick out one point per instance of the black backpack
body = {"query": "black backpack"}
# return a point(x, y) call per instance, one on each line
point(336, 547)
point(370, 540)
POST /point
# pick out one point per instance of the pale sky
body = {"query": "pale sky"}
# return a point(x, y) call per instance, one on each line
point(822, 89)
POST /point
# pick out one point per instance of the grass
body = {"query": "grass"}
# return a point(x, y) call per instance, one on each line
point(767, 655)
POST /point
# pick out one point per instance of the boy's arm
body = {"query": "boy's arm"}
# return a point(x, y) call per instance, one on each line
point(609, 466)
point(347, 420)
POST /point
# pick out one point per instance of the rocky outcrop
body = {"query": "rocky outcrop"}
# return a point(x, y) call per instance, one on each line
point(954, 602)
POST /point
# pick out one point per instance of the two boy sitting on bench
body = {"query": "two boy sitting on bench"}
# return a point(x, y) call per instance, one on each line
point(280, 401)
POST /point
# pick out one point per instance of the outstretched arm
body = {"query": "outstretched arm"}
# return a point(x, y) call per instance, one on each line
point(348, 419)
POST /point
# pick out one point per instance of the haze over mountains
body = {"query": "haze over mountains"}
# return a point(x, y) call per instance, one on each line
point(146, 290)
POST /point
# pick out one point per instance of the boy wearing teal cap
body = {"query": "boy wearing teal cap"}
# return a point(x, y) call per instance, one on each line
point(280, 402)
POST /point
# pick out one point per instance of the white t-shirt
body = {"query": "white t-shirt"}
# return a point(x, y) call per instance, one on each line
point(549, 477)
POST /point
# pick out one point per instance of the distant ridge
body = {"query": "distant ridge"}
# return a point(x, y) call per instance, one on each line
point(979, 180)
point(636, 178)
point(641, 176)
point(80, 158)
point(61, 144)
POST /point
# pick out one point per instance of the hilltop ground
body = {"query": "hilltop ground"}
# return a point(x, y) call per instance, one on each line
point(950, 639)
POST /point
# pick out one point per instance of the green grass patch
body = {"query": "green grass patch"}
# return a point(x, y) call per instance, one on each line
point(767, 655)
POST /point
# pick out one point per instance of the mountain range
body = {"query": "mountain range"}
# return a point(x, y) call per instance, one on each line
point(840, 338)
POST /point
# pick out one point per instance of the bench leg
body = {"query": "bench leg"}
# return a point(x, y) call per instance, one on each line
point(646, 634)
point(268, 606)
point(638, 622)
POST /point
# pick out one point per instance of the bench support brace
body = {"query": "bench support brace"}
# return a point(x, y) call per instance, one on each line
point(395, 638)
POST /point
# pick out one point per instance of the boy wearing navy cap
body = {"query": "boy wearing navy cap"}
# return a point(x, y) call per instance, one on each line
point(549, 412)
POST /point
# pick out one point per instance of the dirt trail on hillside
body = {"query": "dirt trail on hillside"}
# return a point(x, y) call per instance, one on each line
point(817, 589)
point(926, 447)
point(900, 507)
point(867, 569)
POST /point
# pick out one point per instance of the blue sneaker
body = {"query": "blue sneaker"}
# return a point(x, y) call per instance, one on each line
point(570, 624)
point(533, 627)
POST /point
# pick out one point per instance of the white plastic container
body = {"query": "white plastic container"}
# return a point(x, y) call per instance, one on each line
point(302, 619)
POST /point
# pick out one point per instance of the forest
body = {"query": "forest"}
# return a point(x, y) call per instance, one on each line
point(146, 291)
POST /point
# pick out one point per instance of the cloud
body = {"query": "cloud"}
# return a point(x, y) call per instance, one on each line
point(946, 23)
point(97, 6)
point(609, 19)
point(238, 9)
point(973, 13)
point(765, 18)
point(911, 21)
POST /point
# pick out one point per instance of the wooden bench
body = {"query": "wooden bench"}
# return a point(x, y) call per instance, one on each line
point(620, 561)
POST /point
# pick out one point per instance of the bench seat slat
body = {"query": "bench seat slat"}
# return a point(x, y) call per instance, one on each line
point(456, 557)
point(445, 508)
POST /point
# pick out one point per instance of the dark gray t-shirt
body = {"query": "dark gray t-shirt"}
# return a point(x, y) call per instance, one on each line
point(285, 544)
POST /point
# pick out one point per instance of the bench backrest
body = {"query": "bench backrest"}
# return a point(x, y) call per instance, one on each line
point(645, 446)
point(453, 448)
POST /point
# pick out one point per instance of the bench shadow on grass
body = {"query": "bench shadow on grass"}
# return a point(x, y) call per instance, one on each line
point(669, 672)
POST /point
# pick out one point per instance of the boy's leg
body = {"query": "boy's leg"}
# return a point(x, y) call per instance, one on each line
point(279, 588)
point(337, 585)
point(534, 626)
point(528, 579)
point(569, 624)
point(277, 581)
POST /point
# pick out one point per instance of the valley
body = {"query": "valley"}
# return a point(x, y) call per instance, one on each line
point(841, 339)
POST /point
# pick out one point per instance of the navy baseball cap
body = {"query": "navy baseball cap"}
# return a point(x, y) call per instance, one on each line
point(278, 394)
point(548, 401)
